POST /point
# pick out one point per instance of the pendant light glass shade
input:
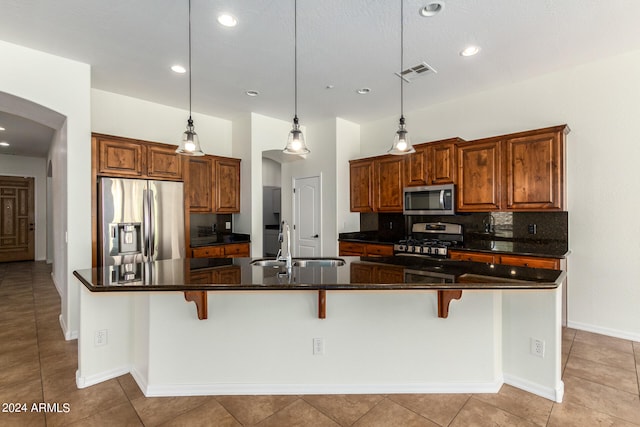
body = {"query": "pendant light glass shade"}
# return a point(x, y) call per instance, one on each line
point(190, 143)
point(401, 142)
point(295, 141)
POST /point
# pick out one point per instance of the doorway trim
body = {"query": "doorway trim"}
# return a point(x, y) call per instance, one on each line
point(294, 196)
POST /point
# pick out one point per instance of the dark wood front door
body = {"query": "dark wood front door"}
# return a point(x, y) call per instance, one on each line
point(16, 219)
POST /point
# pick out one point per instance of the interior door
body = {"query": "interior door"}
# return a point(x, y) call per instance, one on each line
point(307, 216)
point(16, 219)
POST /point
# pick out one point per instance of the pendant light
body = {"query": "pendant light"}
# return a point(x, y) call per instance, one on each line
point(190, 144)
point(401, 142)
point(295, 141)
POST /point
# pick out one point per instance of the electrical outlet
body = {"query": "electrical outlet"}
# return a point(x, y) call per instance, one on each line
point(318, 346)
point(533, 228)
point(227, 225)
point(100, 338)
point(537, 347)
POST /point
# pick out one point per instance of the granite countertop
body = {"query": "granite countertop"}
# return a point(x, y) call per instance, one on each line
point(369, 237)
point(219, 239)
point(406, 273)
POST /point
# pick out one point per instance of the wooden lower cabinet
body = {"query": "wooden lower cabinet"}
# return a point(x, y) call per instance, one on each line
point(514, 260)
point(364, 249)
point(371, 273)
point(232, 250)
point(230, 275)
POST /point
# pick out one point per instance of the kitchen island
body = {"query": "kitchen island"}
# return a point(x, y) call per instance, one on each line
point(371, 325)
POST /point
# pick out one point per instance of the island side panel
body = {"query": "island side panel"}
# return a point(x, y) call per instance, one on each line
point(533, 315)
point(261, 343)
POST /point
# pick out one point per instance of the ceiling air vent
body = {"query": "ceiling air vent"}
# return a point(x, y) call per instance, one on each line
point(416, 71)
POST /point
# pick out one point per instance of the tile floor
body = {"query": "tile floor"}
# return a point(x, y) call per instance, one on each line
point(601, 376)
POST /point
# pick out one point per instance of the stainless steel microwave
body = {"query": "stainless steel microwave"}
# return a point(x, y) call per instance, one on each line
point(430, 200)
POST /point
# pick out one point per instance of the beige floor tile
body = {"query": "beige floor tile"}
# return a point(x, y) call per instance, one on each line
point(604, 341)
point(477, 413)
point(59, 386)
point(24, 392)
point(22, 419)
point(86, 402)
point(18, 372)
point(253, 409)
point(130, 387)
point(122, 415)
point(518, 402)
point(604, 355)
point(439, 408)
point(209, 414)
point(602, 374)
point(390, 414)
point(154, 411)
point(602, 398)
point(636, 350)
point(298, 413)
point(570, 415)
point(345, 409)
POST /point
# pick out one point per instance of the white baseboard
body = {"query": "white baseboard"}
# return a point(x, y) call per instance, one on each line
point(626, 335)
point(547, 392)
point(282, 389)
point(68, 335)
point(83, 382)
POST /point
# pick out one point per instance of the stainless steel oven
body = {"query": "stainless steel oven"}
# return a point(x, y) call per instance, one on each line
point(430, 200)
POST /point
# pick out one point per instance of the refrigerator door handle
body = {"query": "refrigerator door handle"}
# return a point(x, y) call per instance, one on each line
point(152, 226)
point(146, 223)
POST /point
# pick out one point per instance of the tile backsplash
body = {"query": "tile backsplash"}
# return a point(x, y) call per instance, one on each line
point(209, 224)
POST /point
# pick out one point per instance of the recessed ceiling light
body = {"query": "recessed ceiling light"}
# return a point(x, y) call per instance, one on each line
point(178, 69)
point(227, 20)
point(329, 86)
point(4, 144)
point(252, 93)
point(363, 91)
point(432, 8)
point(469, 51)
point(1, 128)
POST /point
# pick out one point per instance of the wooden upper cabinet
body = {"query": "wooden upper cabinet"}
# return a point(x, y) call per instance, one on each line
point(388, 178)
point(479, 176)
point(164, 163)
point(130, 158)
point(535, 170)
point(361, 185)
point(226, 185)
point(415, 167)
point(199, 184)
point(441, 162)
point(121, 157)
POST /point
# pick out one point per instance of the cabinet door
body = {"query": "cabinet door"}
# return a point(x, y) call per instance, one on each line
point(226, 185)
point(390, 275)
point(479, 176)
point(534, 172)
point(121, 158)
point(361, 185)
point(227, 275)
point(441, 161)
point(361, 273)
point(378, 250)
point(388, 179)
point(351, 249)
point(199, 184)
point(200, 277)
point(164, 163)
point(415, 166)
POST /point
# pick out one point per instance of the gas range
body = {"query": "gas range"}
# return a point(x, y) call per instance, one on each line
point(431, 239)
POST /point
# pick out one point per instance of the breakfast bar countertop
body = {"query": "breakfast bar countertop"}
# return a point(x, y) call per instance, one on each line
point(356, 273)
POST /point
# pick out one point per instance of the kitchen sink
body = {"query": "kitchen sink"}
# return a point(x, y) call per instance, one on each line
point(299, 262)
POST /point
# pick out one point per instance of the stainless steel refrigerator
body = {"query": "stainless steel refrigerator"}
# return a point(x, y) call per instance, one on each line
point(141, 220)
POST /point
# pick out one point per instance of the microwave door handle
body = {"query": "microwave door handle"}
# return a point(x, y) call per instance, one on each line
point(441, 199)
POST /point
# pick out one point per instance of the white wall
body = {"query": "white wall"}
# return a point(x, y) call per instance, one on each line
point(347, 148)
point(63, 87)
point(121, 115)
point(36, 168)
point(600, 102)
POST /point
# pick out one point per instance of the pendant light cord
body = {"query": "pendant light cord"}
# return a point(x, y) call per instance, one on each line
point(401, 58)
point(189, 59)
point(295, 56)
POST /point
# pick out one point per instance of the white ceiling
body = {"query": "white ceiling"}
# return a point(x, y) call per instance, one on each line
point(348, 44)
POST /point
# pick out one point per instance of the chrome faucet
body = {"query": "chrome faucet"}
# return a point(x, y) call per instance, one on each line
point(284, 227)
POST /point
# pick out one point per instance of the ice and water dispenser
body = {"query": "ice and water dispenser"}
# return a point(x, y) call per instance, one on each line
point(126, 239)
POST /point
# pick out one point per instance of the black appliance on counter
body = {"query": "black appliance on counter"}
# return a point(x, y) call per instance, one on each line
point(430, 239)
